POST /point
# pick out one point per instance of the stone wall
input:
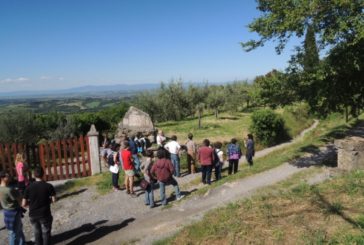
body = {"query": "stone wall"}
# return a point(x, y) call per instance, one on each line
point(350, 153)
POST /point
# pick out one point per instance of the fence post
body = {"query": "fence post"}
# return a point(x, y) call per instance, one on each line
point(93, 141)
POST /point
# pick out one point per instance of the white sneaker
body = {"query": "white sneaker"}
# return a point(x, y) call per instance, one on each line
point(180, 197)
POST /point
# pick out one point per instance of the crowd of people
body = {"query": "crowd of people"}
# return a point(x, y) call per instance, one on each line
point(160, 166)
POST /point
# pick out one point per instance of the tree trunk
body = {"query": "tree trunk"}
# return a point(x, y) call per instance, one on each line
point(216, 112)
point(346, 113)
point(247, 104)
point(199, 119)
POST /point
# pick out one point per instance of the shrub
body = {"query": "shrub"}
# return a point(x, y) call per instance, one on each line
point(268, 127)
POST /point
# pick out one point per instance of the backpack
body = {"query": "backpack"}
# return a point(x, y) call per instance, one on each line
point(164, 173)
point(110, 159)
point(216, 158)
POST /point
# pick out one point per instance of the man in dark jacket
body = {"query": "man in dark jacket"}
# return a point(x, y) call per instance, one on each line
point(39, 195)
point(164, 170)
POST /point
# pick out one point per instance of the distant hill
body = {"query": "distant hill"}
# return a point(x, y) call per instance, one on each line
point(96, 91)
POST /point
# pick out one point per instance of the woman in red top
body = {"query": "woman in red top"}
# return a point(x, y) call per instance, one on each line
point(206, 158)
point(128, 167)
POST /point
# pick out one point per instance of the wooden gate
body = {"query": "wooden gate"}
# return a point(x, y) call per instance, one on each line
point(62, 159)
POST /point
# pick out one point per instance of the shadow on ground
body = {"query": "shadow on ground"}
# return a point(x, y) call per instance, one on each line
point(88, 233)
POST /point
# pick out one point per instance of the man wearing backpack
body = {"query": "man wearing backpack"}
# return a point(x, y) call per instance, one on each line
point(164, 170)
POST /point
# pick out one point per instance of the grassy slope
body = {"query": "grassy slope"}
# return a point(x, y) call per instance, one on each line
point(330, 212)
point(225, 127)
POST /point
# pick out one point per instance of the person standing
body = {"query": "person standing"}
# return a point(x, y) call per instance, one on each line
point(250, 149)
point(21, 172)
point(39, 195)
point(219, 160)
point(173, 148)
point(10, 201)
point(191, 154)
point(164, 170)
point(146, 170)
point(233, 153)
point(206, 159)
point(160, 138)
point(134, 151)
point(128, 167)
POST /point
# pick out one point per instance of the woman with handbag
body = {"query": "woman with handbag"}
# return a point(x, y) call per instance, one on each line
point(147, 183)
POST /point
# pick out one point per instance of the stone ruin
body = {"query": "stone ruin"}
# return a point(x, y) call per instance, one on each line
point(134, 121)
point(350, 153)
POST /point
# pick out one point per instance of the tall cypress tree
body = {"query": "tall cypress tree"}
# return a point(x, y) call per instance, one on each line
point(310, 57)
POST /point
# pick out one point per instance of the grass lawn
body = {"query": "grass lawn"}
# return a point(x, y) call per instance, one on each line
point(331, 212)
point(226, 126)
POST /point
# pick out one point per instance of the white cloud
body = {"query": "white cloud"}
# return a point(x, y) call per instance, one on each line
point(45, 77)
point(14, 80)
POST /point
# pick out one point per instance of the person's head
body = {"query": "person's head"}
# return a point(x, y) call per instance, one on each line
point(113, 146)
point(218, 145)
point(19, 158)
point(160, 132)
point(174, 137)
point(126, 144)
point(250, 136)
point(233, 141)
point(206, 142)
point(161, 153)
point(139, 134)
point(190, 136)
point(4, 177)
point(132, 137)
point(38, 173)
point(149, 153)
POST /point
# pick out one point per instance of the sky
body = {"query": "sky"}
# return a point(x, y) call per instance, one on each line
point(50, 45)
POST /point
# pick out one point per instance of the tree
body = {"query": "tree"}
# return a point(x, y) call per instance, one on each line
point(339, 21)
point(338, 25)
point(215, 98)
point(199, 108)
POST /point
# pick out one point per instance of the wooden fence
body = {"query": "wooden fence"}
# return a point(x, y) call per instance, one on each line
point(62, 159)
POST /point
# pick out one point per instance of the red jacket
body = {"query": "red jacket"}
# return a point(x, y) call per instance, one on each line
point(163, 169)
point(206, 155)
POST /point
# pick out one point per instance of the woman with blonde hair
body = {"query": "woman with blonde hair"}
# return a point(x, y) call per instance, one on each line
point(21, 172)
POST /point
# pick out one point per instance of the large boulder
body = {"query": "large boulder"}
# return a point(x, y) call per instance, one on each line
point(134, 121)
point(350, 153)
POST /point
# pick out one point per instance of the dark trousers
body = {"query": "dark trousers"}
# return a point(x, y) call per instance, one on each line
point(115, 180)
point(218, 168)
point(206, 174)
point(233, 165)
point(42, 230)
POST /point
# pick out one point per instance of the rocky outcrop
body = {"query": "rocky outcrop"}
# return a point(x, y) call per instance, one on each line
point(135, 121)
point(350, 153)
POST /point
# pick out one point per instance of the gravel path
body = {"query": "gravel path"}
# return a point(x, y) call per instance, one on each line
point(85, 217)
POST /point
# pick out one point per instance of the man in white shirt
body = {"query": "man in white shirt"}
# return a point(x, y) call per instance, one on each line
point(160, 138)
point(173, 148)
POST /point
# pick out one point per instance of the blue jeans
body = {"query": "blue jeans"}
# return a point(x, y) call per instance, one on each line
point(16, 236)
point(206, 174)
point(42, 230)
point(162, 189)
point(149, 196)
point(136, 163)
point(175, 162)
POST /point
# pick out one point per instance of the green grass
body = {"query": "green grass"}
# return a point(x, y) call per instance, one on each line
point(227, 126)
point(93, 104)
point(328, 213)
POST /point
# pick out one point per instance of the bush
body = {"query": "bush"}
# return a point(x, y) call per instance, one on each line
point(268, 127)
